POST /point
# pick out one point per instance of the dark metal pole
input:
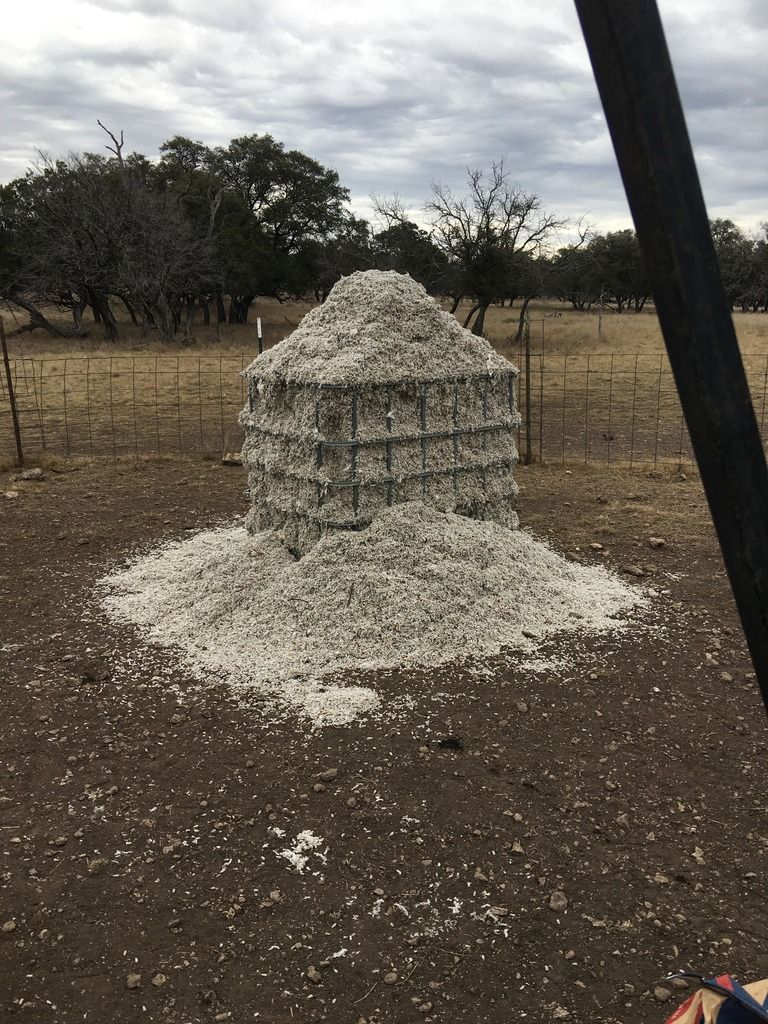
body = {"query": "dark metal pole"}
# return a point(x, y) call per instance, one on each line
point(642, 107)
point(11, 397)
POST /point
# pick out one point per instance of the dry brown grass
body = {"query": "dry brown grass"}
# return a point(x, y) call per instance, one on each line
point(560, 329)
point(605, 398)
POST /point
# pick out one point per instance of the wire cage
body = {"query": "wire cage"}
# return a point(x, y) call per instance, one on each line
point(325, 457)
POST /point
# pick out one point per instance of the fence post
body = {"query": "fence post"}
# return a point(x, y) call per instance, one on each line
point(527, 342)
point(12, 398)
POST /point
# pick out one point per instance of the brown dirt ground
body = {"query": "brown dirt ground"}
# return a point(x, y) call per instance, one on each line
point(137, 819)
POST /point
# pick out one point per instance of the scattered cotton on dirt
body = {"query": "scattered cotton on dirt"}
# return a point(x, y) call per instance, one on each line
point(418, 588)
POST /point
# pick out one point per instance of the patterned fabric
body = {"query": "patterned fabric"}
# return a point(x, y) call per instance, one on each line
point(724, 1001)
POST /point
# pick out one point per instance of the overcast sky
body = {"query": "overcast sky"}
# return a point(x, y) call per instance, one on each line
point(392, 94)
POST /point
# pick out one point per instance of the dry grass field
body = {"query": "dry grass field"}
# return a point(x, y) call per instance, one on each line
point(597, 392)
point(564, 331)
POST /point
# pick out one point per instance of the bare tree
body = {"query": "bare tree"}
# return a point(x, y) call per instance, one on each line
point(491, 234)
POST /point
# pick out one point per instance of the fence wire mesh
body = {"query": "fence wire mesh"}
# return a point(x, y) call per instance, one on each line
point(591, 408)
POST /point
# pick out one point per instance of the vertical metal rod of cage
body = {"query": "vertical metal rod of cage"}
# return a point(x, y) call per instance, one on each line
point(388, 447)
point(353, 454)
point(484, 436)
point(422, 439)
point(645, 117)
point(318, 436)
point(12, 398)
point(511, 398)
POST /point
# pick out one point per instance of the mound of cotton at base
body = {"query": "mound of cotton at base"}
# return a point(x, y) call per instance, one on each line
point(417, 588)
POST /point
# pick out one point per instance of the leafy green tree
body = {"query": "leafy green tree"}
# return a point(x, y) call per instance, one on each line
point(620, 268)
point(735, 256)
point(276, 202)
point(405, 247)
point(576, 277)
point(319, 263)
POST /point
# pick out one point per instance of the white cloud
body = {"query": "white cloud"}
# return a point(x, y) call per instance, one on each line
point(391, 95)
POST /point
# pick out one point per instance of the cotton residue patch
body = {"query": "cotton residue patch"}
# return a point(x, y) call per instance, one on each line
point(418, 588)
point(376, 325)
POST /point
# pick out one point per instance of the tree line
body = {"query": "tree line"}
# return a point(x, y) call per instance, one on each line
point(205, 230)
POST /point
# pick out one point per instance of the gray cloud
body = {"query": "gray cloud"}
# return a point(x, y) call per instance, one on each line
point(393, 96)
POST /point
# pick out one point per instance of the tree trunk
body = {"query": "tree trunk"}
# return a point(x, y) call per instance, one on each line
point(131, 311)
point(163, 317)
point(189, 317)
point(456, 303)
point(470, 314)
point(479, 324)
point(100, 305)
point(78, 309)
point(238, 308)
point(206, 312)
point(108, 319)
point(38, 321)
point(221, 309)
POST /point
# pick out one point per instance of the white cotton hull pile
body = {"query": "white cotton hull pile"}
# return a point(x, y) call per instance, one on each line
point(378, 398)
point(417, 588)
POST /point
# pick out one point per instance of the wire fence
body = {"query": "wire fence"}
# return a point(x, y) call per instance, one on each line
point(591, 408)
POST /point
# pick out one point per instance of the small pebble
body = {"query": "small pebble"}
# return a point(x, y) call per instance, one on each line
point(661, 994)
point(558, 901)
point(133, 981)
point(390, 978)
